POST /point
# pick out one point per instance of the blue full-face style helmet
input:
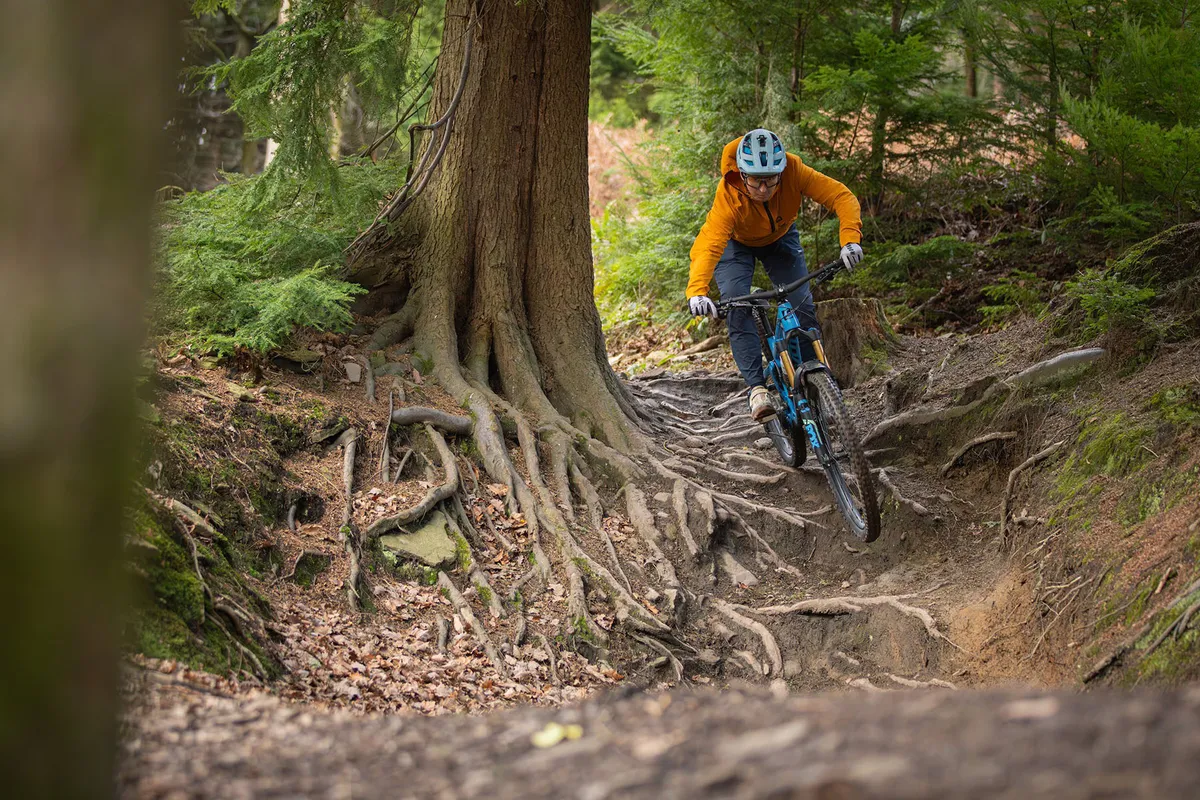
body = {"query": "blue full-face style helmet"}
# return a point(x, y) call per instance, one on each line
point(761, 154)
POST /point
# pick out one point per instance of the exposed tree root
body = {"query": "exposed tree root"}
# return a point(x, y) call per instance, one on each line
point(464, 610)
point(596, 516)
point(434, 496)
point(1040, 374)
point(768, 639)
point(737, 573)
point(385, 455)
point(886, 481)
point(1036, 458)
point(746, 477)
point(680, 505)
point(914, 684)
point(450, 423)
point(665, 654)
point(995, 436)
point(643, 523)
point(348, 441)
point(182, 511)
point(833, 606)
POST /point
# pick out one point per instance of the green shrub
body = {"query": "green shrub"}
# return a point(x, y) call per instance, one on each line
point(235, 276)
point(1108, 302)
point(1018, 293)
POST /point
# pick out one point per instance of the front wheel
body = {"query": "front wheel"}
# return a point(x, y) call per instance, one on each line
point(788, 442)
point(842, 457)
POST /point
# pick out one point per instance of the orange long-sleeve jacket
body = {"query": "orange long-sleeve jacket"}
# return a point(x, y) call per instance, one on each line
point(736, 216)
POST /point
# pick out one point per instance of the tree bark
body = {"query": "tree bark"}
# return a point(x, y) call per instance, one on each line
point(495, 267)
point(83, 90)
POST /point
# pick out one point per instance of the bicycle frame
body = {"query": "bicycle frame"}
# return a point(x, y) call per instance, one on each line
point(785, 365)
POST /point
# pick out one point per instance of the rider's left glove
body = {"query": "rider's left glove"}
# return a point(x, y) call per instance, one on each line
point(701, 306)
point(851, 255)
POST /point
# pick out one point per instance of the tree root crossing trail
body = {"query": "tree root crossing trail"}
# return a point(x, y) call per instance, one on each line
point(696, 560)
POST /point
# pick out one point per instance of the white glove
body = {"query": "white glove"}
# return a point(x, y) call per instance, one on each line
point(701, 306)
point(851, 255)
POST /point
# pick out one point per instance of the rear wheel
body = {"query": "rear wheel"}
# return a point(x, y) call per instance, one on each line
point(842, 458)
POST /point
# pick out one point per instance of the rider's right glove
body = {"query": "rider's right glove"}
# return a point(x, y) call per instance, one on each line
point(851, 255)
point(701, 306)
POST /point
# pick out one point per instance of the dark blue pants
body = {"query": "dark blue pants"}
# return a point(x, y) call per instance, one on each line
point(784, 262)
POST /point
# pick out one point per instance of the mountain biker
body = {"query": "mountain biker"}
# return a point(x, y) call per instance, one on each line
point(754, 216)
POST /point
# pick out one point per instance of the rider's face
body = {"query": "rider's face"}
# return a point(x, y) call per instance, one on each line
point(761, 188)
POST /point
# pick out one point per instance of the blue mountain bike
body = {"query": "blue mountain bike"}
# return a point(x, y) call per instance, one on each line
point(810, 412)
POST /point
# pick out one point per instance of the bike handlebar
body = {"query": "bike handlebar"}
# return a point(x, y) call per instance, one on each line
point(780, 292)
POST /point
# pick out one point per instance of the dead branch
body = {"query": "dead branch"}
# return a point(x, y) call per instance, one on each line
point(464, 610)
point(996, 436)
point(1036, 458)
point(434, 496)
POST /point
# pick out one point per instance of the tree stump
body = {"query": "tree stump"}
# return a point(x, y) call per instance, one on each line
point(856, 336)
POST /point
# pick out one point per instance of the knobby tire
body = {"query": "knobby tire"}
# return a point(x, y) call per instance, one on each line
point(831, 410)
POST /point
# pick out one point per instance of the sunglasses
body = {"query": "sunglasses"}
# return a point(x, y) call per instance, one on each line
point(761, 183)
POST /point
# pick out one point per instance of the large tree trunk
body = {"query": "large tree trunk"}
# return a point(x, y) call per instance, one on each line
point(498, 285)
point(80, 105)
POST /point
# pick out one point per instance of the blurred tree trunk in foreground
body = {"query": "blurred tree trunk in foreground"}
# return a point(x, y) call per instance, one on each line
point(81, 110)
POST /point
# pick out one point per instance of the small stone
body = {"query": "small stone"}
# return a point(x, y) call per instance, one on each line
point(354, 370)
point(694, 441)
point(791, 668)
point(764, 443)
point(708, 656)
point(652, 595)
point(662, 497)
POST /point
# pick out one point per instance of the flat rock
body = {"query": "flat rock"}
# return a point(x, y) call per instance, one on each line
point(764, 443)
point(662, 497)
point(391, 368)
point(430, 543)
point(354, 370)
point(300, 360)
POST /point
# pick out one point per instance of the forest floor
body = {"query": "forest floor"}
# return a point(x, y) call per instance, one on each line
point(1085, 581)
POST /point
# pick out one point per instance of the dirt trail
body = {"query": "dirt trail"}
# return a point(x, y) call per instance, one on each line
point(743, 563)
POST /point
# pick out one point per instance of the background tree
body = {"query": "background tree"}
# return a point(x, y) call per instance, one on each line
point(82, 99)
